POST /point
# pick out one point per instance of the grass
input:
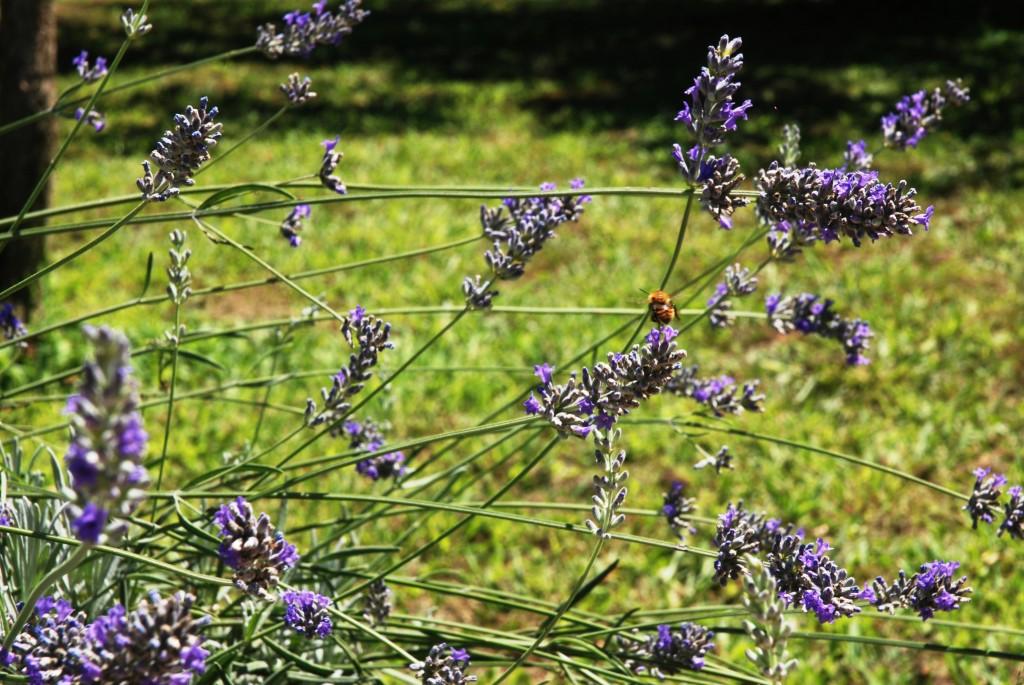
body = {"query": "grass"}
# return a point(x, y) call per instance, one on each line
point(941, 396)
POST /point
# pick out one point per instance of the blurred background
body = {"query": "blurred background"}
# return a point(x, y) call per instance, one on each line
point(519, 92)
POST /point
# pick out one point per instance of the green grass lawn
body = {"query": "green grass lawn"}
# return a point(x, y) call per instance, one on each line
point(941, 396)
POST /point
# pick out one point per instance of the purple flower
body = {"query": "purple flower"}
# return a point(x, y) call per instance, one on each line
point(919, 113)
point(857, 157)
point(826, 204)
point(443, 665)
point(304, 32)
point(984, 501)
point(933, 588)
point(253, 548)
point(108, 442)
point(532, 406)
point(721, 394)
point(810, 314)
point(158, 642)
point(10, 325)
point(372, 335)
point(93, 118)
point(292, 225)
point(181, 152)
point(675, 508)
point(88, 73)
point(543, 372)
point(306, 613)
point(1013, 512)
point(330, 161)
point(739, 282)
point(667, 651)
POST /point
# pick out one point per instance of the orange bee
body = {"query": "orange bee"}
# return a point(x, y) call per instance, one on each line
point(662, 310)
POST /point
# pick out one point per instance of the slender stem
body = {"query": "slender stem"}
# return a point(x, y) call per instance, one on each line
point(34, 195)
point(68, 565)
point(679, 242)
point(252, 134)
point(550, 623)
point(230, 54)
point(170, 400)
point(266, 398)
point(266, 265)
point(28, 280)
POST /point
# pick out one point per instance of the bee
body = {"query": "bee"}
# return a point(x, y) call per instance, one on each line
point(662, 310)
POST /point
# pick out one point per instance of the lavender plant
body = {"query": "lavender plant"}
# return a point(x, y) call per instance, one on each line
point(165, 640)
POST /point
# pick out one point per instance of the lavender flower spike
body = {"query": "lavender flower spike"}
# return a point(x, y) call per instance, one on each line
point(984, 501)
point(810, 314)
point(718, 393)
point(306, 613)
point(10, 325)
point(857, 157)
point(668, 651)
point(1013, 512)
point(93, 118)
point(332, 158)
point(251, 546)
point(159, 642)
point(180, 152)
point(90, 72)
point(931, 589)
point(305, 31)
point(377, 603)
point(372, 334)
point(826, 204)
point(739, 282)
point(919, 113)
point(108, 442)
point(444, 665)
point(676, 507)
point(611, 389)
point(298, 91)
point(518, 235)
point(292, 224)
point(368, 436)
point(48, 647)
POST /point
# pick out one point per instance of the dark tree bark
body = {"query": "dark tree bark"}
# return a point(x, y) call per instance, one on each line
point(28, 62)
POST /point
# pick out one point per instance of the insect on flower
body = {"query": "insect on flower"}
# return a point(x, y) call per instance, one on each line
point(662, 309)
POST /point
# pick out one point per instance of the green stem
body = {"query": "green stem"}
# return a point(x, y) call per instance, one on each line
point(68, 565)
point(230, 54)
point(252, 134)
point(170, 401)
point(28, 280)
point(679, 242)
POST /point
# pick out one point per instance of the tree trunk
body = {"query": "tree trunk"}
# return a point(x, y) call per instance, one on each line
point(28, 62)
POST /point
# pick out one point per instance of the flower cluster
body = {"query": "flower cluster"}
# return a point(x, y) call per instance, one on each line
point(709, 114)
point(519, 229)
point(297, 90)
point(810, 314)
point(611, 389)
point(829, 204)
point(180, 152)
point(10, 325)
point(722, 459)
point(668, 651)
point(609, 487)
point(368, 436)
point(805, 575)
point(444, 665)
point(306, 613)
point(305, 31)
point(741, 532)
point(105, 457)
point(47, 649)
point(331, 160)
point(372, 335)
point(739, 282)
point(933, 588)
point(718, 393)
point(135, 24)
point(676, 505)
point(92, 117)
point(857, 157)
point(156, 643)
point(789, 148)
point(253, 548)
point(90, 72)
point(986, 495)
point(377, 603)
point(292, 224)
point(920, 112)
